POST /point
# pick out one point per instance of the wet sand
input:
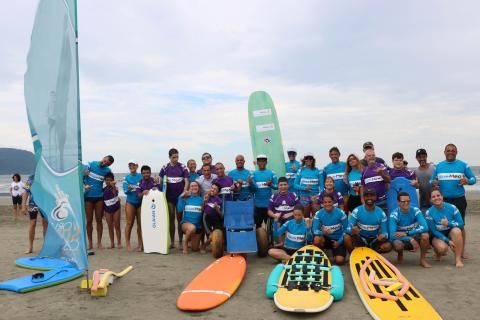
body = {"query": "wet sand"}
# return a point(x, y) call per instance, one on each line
point(151, 289)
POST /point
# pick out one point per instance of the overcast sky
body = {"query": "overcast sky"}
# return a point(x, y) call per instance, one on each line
point(161, 74)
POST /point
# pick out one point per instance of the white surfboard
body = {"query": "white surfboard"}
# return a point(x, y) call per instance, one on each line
point(155, 223)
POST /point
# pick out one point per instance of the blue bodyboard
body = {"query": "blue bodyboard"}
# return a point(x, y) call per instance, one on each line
point(41, 280)
point(398, 185)
point(42, 263)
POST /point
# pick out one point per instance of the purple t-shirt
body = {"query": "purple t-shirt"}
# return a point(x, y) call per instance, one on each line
point(227, 185)
point(175, 176)
point(145, 185)
point(337, 198)
point(371, 179)
point(209, 209)
point(110, 199)
point(405, 173)
point(283, 203)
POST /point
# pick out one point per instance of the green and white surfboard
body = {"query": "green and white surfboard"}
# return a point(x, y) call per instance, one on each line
point(265, 131)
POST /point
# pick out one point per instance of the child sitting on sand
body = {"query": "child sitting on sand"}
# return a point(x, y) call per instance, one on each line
point(112, 209)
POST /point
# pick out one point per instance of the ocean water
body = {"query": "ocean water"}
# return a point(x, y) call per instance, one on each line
point(5, 181)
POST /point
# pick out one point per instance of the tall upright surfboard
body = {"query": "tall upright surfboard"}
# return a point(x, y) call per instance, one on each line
point(265, 131)
point(155, 223)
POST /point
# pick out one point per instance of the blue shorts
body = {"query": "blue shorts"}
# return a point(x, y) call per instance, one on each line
point(136, 205)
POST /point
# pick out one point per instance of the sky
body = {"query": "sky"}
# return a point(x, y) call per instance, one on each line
point(161, 74)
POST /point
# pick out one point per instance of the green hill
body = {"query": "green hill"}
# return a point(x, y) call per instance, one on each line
point(16, 160)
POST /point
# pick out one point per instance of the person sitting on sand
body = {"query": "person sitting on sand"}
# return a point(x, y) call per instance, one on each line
point(28, 204)
point(298, 232)
point(338, 202)
point(16, 191)
point(94, 174)
point(445, 223)
point(190, 202)
point(329, 228)
point(367, 226)
point(212, 210)
point(112, 209)
point(408, 229)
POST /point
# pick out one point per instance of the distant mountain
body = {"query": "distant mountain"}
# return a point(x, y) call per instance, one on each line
point(16, 160)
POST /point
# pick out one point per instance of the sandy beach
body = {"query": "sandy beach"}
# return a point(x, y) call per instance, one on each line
point(151, 289)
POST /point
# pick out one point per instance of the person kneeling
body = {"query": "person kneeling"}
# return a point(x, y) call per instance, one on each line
point(408, 229)
point(190, 202)
point(367, 226)
point(298, 232)
point(329, 227)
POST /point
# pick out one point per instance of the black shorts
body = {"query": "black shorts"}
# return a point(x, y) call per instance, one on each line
point(444, 232)
point(93, 199)
point(17, 200)
point(289, 251)
point(369, 242)
point(261, 216)
point(33, 213)
point(340, 251)
point(213, 222)
point(460, 203)
point(407, 245)
point(353, 202)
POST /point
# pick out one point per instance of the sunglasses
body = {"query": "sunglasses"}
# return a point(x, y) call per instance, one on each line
point(206, 157)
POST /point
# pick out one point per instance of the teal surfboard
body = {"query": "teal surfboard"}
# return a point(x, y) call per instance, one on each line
point(41, 280)
point(265, 131)
point(42, 263)
point(398, 185)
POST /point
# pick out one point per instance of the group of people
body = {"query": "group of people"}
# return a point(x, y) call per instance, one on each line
point(339, 207)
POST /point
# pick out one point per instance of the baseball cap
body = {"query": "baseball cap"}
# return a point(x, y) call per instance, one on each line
point(308, 154)
point(261, 156)
point(421, 151)
point(368, 144)
point(369, 191)
point(291, 149)
point(132, 161)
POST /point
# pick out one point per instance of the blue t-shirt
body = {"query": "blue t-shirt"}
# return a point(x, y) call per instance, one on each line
point(370, 223)
point(243, 175)
point(435, 215)
point(192, 176)
point(412, 222)
point(134, 180)
point(261, 190)
point(95, 179)
point(192, 210)
point(290, 173)
point(337, 172)
point(354, 179)
point(297, 233)
point(335, 221)
point(308, 177)
point(449, 174)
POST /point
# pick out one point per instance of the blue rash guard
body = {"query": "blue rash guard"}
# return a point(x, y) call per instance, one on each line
point(354, 179)
point(412, 222)
point(95, 179)
point(449, 174)
point(435, 215)
point(132, 196)
point(192, 176)
point(335, 221)
point(308, 177)
point(297, 233)
point(337, 172)
point(261, 190)
point(290, 173)
point(192, 210)
point(243, 175)
point(370, 223)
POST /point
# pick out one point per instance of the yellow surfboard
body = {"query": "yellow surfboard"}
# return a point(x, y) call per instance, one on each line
point(384, 291)
point(302, 286)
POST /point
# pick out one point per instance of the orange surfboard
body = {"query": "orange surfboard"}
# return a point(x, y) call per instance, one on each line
point(214, 285)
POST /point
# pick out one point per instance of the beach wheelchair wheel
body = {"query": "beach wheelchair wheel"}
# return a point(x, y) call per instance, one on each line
point(217, 243)
point(262, 242)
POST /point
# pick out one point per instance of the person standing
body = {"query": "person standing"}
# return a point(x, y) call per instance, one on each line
point(205, 181)
point(369, 146)
point(423, 173)
point(263, 182)
point(94, 175)
point(375, 176)
point(450, 176)
point(241, 178)
point(16, 191)
point(131, 184)
point(291, 168)
point(308, 183)
point(207, 160)
point(336, 170)
point(176, 176)
point(353, 175)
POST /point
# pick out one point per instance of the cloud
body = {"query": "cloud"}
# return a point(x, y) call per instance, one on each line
point(161, 74)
